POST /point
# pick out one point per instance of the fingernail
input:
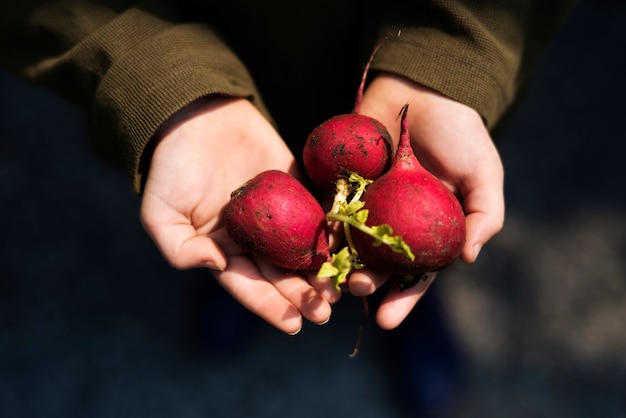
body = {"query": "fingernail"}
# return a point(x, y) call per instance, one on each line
point(296, 332)
point(324, 322)
point(477, 248)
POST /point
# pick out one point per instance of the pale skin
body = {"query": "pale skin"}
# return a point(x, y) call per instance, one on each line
point(451, 141)
point(218, 144)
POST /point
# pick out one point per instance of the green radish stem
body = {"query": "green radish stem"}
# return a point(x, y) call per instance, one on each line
point(351, 214)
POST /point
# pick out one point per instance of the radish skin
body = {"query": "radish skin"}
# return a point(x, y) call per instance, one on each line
point(274, 217)
point(348, 143)
point(419, 208)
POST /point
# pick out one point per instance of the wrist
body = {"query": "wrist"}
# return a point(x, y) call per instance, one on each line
point(195, 108)
point(165, 131)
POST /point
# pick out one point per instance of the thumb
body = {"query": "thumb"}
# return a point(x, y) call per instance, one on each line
point(184, 248)
point(484, 208)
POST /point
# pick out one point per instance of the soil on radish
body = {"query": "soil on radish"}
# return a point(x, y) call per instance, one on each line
point(419, 208)
point(274, 217)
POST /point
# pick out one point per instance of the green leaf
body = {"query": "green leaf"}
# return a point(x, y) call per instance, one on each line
point(359, 180)
point(381, 231)
point(351, 208)
point(383, 234)
point(352, 214)
point(361, 216)
point(327, 270)
point(339, 267)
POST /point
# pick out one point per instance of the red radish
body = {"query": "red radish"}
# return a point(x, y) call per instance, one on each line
point(274, 217)
point(344, 144)
point(419, 208)
point(347, 143)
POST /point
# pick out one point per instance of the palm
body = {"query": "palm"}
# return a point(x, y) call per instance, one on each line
point(451, 141)
point(198, 162)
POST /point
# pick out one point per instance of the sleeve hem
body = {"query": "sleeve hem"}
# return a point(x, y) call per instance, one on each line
point(472, 81)
point(146, 86)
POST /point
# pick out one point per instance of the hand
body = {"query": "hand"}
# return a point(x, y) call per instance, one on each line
point(205, 152)
point(451, 141)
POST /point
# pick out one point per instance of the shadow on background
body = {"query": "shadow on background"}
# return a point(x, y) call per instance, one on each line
point(93, 323)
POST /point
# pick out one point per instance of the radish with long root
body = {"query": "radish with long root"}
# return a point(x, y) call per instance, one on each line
point(274, 217)
point(405, 223)
point(347, 143)
point(415, 205)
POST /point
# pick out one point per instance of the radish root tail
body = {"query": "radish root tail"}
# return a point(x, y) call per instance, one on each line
point(359, 336)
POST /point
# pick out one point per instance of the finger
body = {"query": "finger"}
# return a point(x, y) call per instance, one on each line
point(397, 304)
point(365, 282)
point(336, 235)
point(324, 287)
point(484, 207)
point(481, 227)
point(297, 290)
point(183, 248)
point(244, 282)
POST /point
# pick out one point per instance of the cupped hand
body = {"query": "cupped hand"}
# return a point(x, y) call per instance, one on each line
point(204, 153)
point(452, 142)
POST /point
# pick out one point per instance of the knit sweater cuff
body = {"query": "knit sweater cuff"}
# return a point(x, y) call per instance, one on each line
point(479, 77)
point(165, 72)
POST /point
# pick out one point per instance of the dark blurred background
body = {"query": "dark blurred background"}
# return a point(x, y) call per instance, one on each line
point(93, 322)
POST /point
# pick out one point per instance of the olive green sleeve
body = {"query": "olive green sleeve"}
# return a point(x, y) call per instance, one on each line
point(476, 52)
point(129, 69)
